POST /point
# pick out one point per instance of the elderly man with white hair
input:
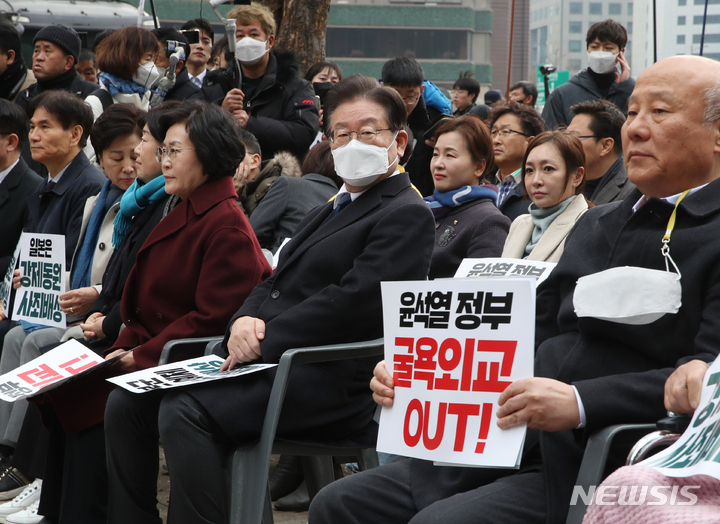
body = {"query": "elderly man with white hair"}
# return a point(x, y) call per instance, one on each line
point(606, 345)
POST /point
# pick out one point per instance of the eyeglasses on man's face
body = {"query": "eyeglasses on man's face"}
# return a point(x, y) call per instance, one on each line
point(170, 153)
point(366, 135)
point(505, 132)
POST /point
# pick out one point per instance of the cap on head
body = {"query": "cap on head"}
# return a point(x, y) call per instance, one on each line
point(63, 36)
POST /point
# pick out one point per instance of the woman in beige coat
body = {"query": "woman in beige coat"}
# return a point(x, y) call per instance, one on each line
point(553, 178)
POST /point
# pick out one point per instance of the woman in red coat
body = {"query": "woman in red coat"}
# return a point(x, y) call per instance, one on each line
point(194, 270)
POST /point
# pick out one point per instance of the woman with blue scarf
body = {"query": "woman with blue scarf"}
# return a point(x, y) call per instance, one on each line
point(554, 179)
point(467, 223)
point(126, 61)
point(114, 138)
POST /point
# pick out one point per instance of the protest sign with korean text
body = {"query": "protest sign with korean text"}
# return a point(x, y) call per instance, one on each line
point(6, 284)
point(42, 268)
point(452, 347)
point(178, 374)
point(49, 370)
point(504, 267)
point(697, 451)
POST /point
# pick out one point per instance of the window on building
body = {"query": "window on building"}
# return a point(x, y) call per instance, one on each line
point(680, 39)
point(595, 8)
point(709, 39)
point(702, 2)
point(576, 27)
point(615, 9)
point(681, 20)
point(575, 46)
point(711, 19)
point(346, 42)
point(629, 27)
point(630, 9)
point(682, 2)
point(576, 8)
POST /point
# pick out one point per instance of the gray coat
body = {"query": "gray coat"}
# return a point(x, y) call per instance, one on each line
point(287, 202)
point(617, 187)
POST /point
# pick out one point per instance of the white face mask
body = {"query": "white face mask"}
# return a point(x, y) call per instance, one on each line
point(147, 74)
point(632, 295)
point(628, 295)
point(250, 51)
point(601, 61)
point(360, 164)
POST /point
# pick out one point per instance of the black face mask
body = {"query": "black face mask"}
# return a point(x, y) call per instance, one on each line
point(321, 89)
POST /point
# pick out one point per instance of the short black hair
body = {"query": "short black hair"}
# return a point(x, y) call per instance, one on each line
point(163, 34)
point(358, 87)
point(250, 141)
point(13, 121)
point(529, 89)
point(221, 46)
point(199, 23)
point(152, 119)
point(10, 39)
point(319, 67)
point(530, 121)
point(607, 31)
point(102, 35)
point(86, 56)
point(117, 120)
point(214, 133)
point(403, 72)
point(468, 84)
point(606, 120)
point(68, 108)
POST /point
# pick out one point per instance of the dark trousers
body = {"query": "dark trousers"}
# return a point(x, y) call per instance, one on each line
point(387, 495)
point(194, 459)
point(75, 485)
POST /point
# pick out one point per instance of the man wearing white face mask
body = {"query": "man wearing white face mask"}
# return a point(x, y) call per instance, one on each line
point(607, 76)
point(274, 103)
point(325, 290)
point(599, 369)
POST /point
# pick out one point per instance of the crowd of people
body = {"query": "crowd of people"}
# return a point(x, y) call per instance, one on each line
point(270, 211)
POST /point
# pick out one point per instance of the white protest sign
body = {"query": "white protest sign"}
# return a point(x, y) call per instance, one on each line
point(697, 451)
point(42, 268)
point(177, 374)
point(6, 284)
point(504, 267)
point(48, 371)
point(452, 346)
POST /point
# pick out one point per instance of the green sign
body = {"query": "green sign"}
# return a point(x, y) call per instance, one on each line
point(555, 79)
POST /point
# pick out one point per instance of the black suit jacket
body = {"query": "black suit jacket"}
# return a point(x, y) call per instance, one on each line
point(325, 290)
point(619, 370)
point(184, 89)
point(60, 210)
point(18, 185)
point(515, 203)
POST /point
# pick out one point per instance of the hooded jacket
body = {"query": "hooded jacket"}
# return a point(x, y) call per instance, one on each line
point(282, 110)
point(582, 88)
point(252, 193)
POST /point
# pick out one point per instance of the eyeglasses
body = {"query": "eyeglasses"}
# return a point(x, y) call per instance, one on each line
point(170, 153)
point(505, 132)
point(366, 135)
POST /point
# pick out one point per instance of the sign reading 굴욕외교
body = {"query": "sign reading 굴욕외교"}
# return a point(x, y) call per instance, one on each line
point(42, 269)
point(452, 346)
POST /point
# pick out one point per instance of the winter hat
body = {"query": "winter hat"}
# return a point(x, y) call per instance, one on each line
point(62, 35)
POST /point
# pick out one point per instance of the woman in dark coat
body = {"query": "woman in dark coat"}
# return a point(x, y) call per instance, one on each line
point(467, 223)
point(198, 263)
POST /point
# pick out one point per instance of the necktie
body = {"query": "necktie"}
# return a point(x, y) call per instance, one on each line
point(343, 200)
point(50, 186)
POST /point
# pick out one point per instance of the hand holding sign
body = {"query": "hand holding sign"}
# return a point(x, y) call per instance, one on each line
point(684, 387)
point(244, 342)
point(382, 385)
point(541, 403)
